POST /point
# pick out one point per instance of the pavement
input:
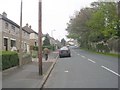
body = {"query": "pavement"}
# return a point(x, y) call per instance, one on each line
point(27, 76)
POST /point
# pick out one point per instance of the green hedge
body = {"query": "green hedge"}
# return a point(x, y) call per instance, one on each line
point(9, 59)
point(34, 48)
point(51, 47)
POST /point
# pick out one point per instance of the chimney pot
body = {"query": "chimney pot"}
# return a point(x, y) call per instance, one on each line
point(27, 24)
point(30, 26)
point(4, 14)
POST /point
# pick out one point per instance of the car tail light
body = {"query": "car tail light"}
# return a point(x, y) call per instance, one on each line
point(59, 51)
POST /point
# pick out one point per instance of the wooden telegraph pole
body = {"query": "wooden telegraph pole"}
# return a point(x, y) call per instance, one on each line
point(40, 36)
point(20, 36)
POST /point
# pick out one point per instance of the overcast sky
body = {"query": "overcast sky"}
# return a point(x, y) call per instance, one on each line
point(55, 13)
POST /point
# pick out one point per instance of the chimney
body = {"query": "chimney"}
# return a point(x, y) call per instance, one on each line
point(27, 24)
point(4, 14)
point(30, 26)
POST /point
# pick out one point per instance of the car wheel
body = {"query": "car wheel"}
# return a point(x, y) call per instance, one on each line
point(60, 56)
point(69, 55)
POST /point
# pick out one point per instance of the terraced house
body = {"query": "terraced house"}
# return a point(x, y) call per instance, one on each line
point(33, 35)
point(9, 35)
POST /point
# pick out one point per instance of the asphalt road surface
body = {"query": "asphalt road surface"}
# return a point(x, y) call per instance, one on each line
point(84, 70)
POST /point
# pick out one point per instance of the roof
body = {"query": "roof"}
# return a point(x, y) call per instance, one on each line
point(11, 22)
point(29, 30)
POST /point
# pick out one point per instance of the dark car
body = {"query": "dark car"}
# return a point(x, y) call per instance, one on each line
point(64, 51)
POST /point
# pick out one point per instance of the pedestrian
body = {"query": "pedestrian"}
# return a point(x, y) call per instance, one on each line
point(46, 52)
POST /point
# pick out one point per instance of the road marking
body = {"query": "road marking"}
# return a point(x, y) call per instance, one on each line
point(83, 56)
point(91, 61)
point(78, 54)
point(110, 70)
point(66, 71)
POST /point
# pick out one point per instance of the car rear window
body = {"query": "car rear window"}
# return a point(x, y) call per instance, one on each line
point(64, 48)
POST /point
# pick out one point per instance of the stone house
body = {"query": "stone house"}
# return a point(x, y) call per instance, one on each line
point(33, 35)
point(54, 42)
point(9, 35)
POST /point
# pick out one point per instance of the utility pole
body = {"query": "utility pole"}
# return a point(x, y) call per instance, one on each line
point(119, 10)
point(20, 36)
point(40, 36)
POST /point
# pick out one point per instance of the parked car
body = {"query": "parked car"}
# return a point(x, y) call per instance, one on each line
point(64, 51)
point(73, 47)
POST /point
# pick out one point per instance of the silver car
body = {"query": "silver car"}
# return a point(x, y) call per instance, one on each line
point(64, 51)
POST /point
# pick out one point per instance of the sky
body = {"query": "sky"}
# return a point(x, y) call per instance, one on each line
point(55, 14)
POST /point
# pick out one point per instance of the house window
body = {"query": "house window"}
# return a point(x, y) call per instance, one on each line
point(35, 43)
point(13, 43)
point(27, 34)
point(17, 31)
point(25, 47)
point(6, 25)
point(13, 28)
point(6, 44)
point(24, 33)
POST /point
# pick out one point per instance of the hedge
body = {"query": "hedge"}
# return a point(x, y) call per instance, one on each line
point(9, 59)
point(51, 47)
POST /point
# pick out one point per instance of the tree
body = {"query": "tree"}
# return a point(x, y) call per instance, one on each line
point(63, 42)
point(104, 20)
point(94, 24)
point(77, 26)
point(46, 42)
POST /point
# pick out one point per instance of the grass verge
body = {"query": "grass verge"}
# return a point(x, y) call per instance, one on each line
point(107, 54)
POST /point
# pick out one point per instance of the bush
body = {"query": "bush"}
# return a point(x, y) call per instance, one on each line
point(26, 58)
point(0, 62)
point(35, 48)
point(49, 47)
point(9, 59)
point(34, 54)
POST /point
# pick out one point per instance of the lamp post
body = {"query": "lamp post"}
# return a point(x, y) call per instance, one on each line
point(40, 36)
point(52, 33)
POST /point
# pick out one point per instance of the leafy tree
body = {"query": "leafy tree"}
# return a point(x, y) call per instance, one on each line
point(104, 20)
point(63, 42)
point(94, 24)
point(77, 26)
point(46, 42)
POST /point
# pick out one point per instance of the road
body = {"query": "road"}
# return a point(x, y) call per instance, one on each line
point(84, 70)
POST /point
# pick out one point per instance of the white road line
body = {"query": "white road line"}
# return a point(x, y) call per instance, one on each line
point(78, 54)
point(66, 71)
point(91, 61)
point(110, 70)
point(82, 56)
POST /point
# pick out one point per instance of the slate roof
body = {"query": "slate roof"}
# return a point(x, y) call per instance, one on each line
point(29, 29)
point(11, 22)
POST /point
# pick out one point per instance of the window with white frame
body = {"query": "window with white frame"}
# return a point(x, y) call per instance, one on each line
point(6, 25)
point(13, 28)
point(13, 43)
